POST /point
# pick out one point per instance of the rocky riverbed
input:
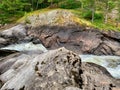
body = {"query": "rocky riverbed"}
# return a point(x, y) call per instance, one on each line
point(79, 39)
point(51, 56)
point(27, 63)
point(58, 69)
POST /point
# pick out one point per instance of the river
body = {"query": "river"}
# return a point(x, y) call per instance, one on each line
point(111, 63)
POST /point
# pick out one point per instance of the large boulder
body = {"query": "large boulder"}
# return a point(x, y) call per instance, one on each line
point(16, 31)
point(95, 77)
point(78, 39)
point(58, 69)
point(60, 28)
point(53, 70)
point(16, 35)
point(12, 35)
point(49, 17)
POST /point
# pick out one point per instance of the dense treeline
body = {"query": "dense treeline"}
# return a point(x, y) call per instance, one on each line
point(91, 9)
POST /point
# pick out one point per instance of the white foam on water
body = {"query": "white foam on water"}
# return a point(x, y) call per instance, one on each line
point(111, 63)
point(26, 47)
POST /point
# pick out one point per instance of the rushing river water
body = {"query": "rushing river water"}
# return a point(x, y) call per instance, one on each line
point(111, 63)
point(26, 47)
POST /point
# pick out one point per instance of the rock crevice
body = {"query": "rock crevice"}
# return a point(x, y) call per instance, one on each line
point(58, 69)
point(78, 39)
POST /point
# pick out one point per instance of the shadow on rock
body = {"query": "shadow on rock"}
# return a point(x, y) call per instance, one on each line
point(78, 39)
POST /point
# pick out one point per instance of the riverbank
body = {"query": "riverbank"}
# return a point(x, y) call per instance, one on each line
point(31, 56)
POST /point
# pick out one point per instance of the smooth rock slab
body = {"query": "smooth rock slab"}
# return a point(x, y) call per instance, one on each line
point(58, 69)
point(78, 39)
point(95, 77)
point(16, 31)
point(53, 70)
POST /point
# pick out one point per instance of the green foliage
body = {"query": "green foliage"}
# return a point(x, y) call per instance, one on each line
point(100, 25)
point(99, 16)
point(9, 9)
point(88, 15)
point(13, 6)
point(3, 19)
point(70, 4)
point(111, 4)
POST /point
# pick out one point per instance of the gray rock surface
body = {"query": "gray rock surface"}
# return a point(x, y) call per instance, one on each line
point(51, 17)
point(57, 28)
point(58, 69)
point(16, 31)
point(53, 70)
point(74, 37)
point(16, 35)
point(78, 39)
point(3, 41)
point(96, 77)
point(12, 35)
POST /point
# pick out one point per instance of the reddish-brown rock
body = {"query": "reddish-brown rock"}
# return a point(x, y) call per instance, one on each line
point(78, 39)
